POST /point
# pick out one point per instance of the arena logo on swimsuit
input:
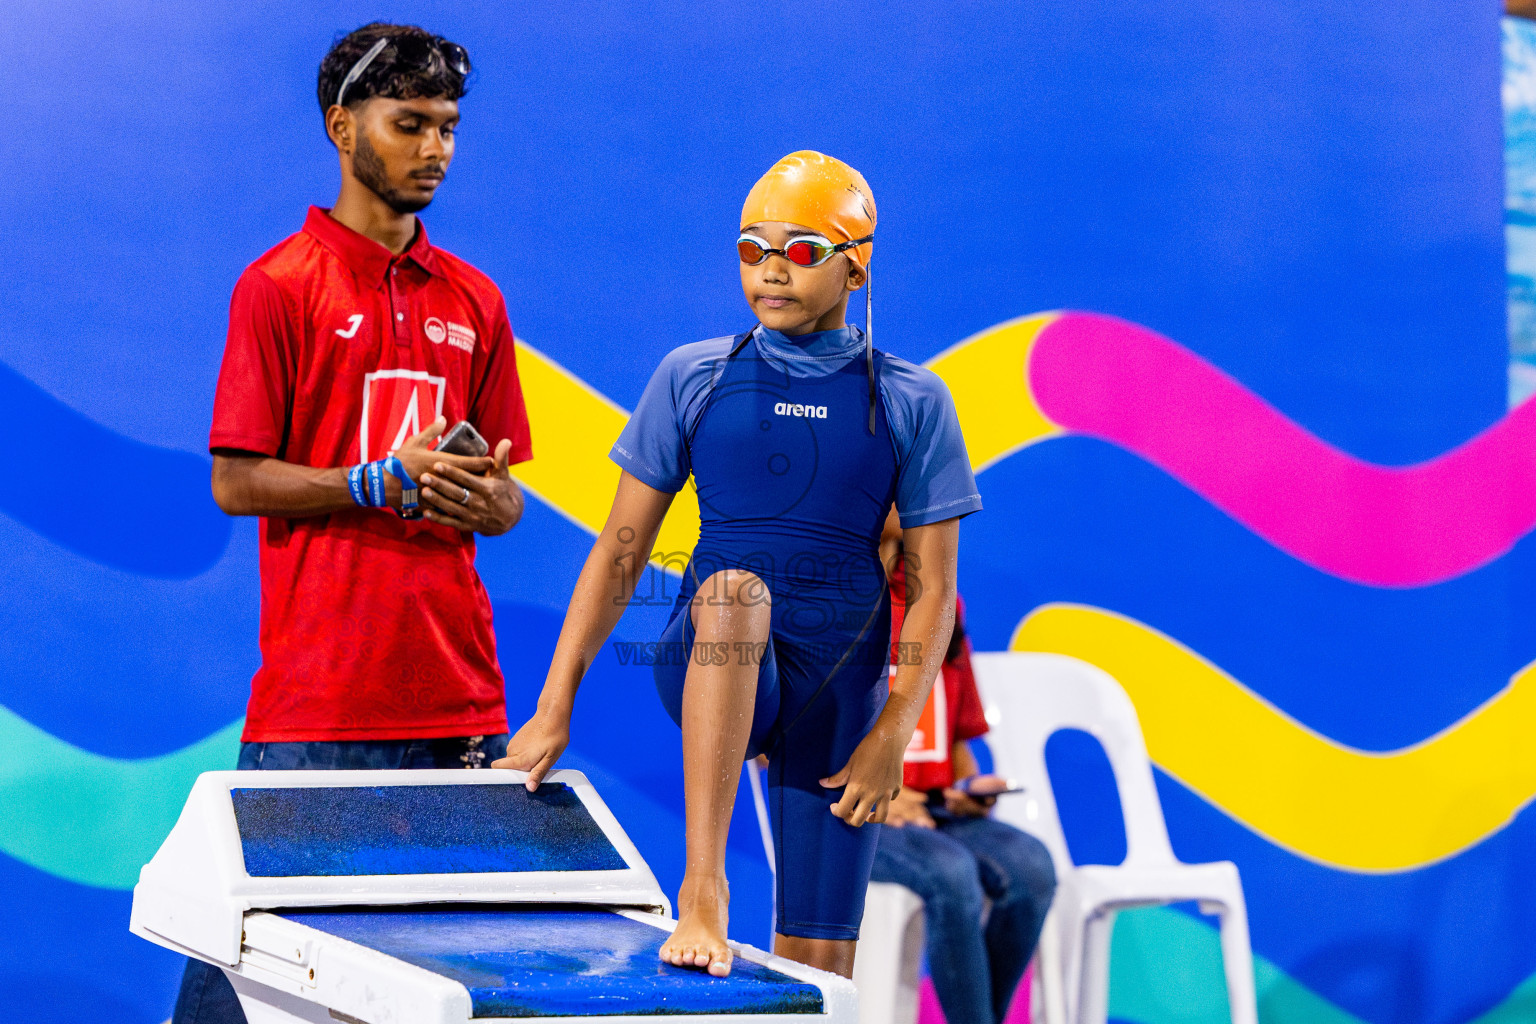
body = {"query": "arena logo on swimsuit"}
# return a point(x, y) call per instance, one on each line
point(811, 412)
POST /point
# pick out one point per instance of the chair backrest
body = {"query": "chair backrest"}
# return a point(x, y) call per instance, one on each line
point(1028, 697)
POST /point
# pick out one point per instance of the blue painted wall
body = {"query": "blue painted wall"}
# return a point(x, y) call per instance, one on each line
point(1307, 195)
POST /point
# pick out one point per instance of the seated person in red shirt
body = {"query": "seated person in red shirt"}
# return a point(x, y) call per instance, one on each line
point(940, 843)
point(352, 344)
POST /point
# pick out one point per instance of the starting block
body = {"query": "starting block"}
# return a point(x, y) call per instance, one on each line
point(440, 897)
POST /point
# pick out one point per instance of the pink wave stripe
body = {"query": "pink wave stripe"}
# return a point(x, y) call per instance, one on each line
point(1386, 526)
point(930, 1012)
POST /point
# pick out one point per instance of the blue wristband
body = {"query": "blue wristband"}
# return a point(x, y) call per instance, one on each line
point(409, 492)
point(355, 483)
point(377, 496)
point(367, 484)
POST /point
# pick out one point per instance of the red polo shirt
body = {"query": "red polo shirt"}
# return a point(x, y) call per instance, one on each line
point(953, 712)
point(372, 627)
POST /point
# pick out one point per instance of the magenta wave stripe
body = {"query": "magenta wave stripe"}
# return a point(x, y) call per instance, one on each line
point(1386, 526)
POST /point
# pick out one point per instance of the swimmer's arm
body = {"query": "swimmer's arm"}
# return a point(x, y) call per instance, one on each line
point(607, 581)
point(873, 774)
point(602, 592)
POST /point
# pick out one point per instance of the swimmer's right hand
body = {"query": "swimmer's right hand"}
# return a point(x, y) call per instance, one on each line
point(537, 746)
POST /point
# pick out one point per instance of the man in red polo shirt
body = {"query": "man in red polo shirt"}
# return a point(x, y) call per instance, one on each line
point(940, 842)
point(352, 345)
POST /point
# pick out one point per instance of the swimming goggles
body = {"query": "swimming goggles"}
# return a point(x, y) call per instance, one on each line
point(802, 252)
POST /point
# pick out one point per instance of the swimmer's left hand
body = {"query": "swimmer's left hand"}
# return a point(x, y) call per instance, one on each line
point(871, 778)
point(490, 504)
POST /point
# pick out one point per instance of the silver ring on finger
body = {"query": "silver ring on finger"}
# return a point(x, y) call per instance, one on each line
point(465, 500)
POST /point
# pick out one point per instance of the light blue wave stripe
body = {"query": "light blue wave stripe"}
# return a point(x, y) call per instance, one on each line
point(90, 818)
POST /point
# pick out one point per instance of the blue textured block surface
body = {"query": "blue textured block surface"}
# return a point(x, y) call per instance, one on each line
point(565, 962)
point(418, 830)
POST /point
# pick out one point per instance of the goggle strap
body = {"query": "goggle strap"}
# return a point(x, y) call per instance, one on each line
point(869, 320)
point(869, 343)
point(741, 342)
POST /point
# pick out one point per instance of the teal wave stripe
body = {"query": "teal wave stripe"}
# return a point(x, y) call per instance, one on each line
point(1165, 968)
point(90, 818)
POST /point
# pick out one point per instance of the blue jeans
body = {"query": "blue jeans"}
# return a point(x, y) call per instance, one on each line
point(955, 868)
point(206, 995)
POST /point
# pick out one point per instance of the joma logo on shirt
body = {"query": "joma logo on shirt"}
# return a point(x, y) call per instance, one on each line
point(810, 412)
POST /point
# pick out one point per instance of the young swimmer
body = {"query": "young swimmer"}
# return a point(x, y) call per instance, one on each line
point(799, 436)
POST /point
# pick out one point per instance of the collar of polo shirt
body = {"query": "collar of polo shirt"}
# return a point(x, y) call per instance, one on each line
point(366, 258)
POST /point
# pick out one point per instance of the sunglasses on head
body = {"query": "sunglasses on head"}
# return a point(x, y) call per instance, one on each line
point(810, 251)
point(410, 51)
point(418, 50)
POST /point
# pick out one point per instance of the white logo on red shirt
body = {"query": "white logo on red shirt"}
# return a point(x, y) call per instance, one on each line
point(353, 323)
point(461, 337)
point(397, 404)
point(928, 739)
point(436, 332)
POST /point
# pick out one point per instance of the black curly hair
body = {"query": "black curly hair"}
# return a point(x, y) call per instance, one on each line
point(412, 66)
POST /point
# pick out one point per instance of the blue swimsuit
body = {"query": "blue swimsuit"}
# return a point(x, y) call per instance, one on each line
point(794, 487)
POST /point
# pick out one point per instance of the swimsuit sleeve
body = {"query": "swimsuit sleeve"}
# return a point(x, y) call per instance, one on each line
point(933, 472)
point(653, 446)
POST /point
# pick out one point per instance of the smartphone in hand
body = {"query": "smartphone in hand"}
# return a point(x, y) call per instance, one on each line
point(981, 786)
point(463, 439)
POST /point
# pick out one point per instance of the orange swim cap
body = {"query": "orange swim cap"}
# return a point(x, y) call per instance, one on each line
point(819, 192)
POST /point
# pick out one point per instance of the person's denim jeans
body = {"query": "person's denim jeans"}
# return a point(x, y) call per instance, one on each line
point(975, 964)
point(206, 995)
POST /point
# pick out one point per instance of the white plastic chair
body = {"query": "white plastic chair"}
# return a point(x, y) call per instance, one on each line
point(1027, 698)
point(888, 964)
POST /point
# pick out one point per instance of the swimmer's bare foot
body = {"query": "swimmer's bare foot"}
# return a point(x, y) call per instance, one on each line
point(699, 939)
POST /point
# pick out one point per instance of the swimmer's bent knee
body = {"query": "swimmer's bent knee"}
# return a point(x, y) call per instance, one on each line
point(735, 587)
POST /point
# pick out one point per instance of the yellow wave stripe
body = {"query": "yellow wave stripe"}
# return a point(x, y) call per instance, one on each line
point(573, 427)
point(1346, 808)
point(986, 374)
